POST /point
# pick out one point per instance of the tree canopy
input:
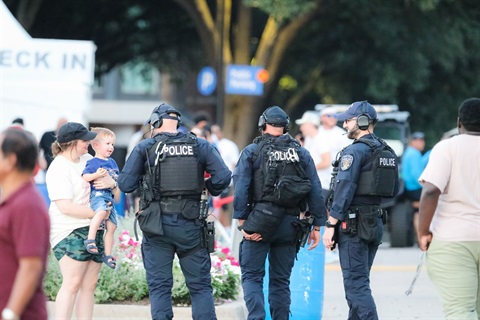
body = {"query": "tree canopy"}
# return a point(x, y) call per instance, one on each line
point(419, 54)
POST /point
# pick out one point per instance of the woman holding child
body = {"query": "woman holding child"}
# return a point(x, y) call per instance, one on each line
point(70, 215)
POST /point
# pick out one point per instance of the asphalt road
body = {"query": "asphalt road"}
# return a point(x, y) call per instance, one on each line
point(391, 275)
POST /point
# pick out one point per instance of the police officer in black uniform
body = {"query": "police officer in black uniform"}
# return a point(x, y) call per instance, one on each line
point(367, 172)
point(178, 162)
point(267, 223)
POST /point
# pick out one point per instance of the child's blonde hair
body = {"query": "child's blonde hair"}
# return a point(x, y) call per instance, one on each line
point(102, 133)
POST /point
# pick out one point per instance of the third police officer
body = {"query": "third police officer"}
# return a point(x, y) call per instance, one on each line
point(170, 168)
point(366, 171)
point(274, 181)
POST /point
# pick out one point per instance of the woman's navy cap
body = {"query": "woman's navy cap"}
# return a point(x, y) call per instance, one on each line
point(74, 131)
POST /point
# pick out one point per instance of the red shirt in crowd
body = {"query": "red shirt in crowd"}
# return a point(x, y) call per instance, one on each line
point(24, 232)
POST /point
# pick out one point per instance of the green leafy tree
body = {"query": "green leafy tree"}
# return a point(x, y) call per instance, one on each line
point(420, 54)
point(255, 32)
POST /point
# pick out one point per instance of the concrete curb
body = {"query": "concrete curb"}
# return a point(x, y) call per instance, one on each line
point(227, 311)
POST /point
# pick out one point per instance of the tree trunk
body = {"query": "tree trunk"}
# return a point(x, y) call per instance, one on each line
point(241, 118)
point(240, 113)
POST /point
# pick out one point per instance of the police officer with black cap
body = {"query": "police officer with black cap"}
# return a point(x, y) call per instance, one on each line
point(274, 181)
point(366, 172)
point(170, 166)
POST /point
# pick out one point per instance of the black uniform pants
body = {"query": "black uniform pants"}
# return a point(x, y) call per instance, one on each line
point(356, 260)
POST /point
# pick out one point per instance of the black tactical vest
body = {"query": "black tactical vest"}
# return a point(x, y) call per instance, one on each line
point(176, 169)
point(277, 158)
point(382, 177)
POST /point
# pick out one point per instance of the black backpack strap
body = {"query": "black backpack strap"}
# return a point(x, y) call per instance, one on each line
point(260, 145)
point(369, 143)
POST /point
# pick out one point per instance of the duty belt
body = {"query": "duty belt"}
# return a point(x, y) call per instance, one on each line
point(287, 211)
point(366, 209)
point(176, 198)
point(168, 206)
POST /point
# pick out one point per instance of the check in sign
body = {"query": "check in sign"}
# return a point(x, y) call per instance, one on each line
point(245, 80)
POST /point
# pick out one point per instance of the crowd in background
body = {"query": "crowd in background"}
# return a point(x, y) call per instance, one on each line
point(69, 219)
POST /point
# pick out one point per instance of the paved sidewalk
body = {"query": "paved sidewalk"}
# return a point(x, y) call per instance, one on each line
point(233, 310)
point(392, 274)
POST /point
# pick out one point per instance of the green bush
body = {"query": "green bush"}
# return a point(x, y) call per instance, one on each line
point(128, 283)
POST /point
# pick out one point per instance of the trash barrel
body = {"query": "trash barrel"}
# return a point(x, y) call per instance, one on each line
point(120, 206)
point(306, 285)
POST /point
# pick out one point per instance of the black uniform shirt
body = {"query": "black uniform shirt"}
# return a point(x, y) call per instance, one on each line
point(208, 158)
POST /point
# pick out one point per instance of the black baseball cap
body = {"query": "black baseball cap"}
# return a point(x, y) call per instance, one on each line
point(74, 131)
point(163, 111)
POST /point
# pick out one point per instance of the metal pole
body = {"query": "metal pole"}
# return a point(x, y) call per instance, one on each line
point(220, 69)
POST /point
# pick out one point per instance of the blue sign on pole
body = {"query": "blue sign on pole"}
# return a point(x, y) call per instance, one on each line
point(207, 81)
point(244, 79)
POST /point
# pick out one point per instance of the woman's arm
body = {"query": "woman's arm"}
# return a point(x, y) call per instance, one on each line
point(68, 207)
point(106, 182)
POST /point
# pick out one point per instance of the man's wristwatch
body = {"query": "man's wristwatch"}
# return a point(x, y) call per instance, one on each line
point(240, 228)
point(328, 224)
point(8, 314)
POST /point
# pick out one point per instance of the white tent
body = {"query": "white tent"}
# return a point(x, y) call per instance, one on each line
point(42, 80)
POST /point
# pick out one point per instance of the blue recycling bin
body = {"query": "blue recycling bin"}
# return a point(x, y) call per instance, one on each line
point(120, 206)
point(306, 285)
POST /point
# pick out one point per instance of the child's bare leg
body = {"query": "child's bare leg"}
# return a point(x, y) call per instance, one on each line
point(109, 237)
point(95, 223)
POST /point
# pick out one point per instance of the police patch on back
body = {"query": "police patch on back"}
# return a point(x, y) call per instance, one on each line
point(178, 150)
point(284, 155)
point(346, 162)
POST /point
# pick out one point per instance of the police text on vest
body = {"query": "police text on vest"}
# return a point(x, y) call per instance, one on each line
point(387, 162)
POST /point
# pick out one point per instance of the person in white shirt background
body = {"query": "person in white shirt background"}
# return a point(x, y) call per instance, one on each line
point(230, 153)
point(309, 126)
point(323, 139)
point(334, 138)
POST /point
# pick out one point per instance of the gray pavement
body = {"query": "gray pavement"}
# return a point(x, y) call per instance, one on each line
point(391, 276)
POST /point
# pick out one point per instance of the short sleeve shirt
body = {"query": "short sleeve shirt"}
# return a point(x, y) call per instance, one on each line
point(333, 140)
point(108, 164)
point(24, 232)
point(64, 181)
point(454, 168)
